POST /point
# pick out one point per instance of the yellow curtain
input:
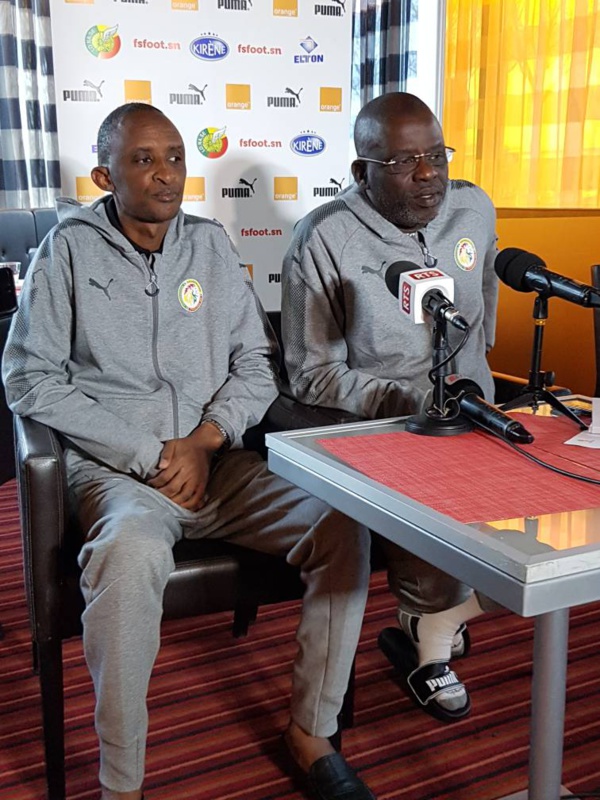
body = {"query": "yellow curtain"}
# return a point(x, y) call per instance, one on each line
point(522, 100)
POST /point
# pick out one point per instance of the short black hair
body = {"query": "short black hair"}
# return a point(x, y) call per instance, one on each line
point(111, 124)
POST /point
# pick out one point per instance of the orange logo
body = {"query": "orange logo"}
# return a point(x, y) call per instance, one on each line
point(285, 188)
point(86, 190)
point(138, 92)
point(285, 8)
point(194, 190)
point(237, 96)
point(330, 99)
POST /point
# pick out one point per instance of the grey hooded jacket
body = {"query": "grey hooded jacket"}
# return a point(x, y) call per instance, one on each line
point(120, 352)
point(346, 343)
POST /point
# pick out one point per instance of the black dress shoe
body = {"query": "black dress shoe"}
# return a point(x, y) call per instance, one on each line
point(332, 778)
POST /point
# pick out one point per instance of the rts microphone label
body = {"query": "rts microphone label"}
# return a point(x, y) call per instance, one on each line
point(406, 297)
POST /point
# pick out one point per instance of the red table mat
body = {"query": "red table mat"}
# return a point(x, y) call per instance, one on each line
point(475, 477)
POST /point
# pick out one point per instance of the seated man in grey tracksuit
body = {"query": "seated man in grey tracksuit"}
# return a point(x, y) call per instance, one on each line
point(140, 340)
point(348, 346)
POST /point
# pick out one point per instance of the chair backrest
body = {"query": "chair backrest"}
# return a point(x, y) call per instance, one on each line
point(17, 234)
point(596, 284)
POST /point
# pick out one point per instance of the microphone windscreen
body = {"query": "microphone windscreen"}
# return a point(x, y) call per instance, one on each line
point(512, 264)
point(393, 272)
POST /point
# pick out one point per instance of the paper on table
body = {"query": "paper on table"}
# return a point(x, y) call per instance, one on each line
point(586, 439)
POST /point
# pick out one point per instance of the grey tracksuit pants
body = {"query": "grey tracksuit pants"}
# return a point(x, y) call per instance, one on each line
point(126, 561)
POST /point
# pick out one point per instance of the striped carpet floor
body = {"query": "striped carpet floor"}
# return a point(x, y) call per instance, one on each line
point(217, 706)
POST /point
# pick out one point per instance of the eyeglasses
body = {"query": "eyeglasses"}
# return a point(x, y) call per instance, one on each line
point(407, 164)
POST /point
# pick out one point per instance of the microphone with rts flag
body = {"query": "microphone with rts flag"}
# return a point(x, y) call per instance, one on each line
point(457, 401)
point(429, 291)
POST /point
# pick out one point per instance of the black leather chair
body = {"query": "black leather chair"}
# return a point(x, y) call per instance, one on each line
point(7, 308)
point(209, 576)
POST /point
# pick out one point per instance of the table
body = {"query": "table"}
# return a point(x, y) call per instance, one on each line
point(506, 568)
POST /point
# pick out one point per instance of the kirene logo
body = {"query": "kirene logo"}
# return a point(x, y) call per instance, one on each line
point(209, 47)
point(196, 98)
point(93, 94)
point(307, 143)
point(237, 96)
point(338, 9)
point(184, 5)
point(425, 274)
point(102, 41)
point(285, 8)
point(285, 188)
point(212, 142)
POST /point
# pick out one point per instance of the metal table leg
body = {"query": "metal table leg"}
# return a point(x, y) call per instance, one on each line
point(548, 693)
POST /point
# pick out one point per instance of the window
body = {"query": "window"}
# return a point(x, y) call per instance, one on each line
point(522, 99)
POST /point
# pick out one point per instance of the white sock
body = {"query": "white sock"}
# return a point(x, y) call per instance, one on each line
point(437, 631)
point(435, 635)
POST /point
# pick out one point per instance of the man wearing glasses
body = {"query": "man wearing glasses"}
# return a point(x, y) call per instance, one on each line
point(348, 346)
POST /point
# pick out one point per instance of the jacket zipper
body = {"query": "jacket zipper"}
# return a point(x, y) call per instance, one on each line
point(152, 290)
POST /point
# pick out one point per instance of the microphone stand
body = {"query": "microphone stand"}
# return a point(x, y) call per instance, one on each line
point(434, 421)
point(536, 392)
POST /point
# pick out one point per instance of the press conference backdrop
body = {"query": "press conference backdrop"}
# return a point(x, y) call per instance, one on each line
point(259, 89)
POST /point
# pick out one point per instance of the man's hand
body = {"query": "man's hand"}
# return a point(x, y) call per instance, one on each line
point(185, 466)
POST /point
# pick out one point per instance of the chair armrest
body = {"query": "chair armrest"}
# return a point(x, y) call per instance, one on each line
point(44, 513)
point(287, 414)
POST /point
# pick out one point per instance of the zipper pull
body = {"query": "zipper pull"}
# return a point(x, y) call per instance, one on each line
point(152, 288)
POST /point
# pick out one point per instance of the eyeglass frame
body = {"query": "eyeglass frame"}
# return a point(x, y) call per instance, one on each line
point(414, 160)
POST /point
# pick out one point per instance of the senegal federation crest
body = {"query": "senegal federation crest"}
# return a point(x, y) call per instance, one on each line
point(190, 294)
point(465, 254)
point(102, 41)
point(212, 142)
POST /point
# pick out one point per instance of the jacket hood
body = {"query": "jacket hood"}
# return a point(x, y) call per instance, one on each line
point(96, 215)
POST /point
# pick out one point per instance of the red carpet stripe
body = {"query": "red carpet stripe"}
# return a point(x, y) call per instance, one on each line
point(218, 706)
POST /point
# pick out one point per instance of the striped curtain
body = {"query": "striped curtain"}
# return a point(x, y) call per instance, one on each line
point(382, 58)
point(29, 165)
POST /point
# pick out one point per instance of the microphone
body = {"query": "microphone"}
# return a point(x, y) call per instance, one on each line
point(422, 291)
point(484, 414)
point(527, 272)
